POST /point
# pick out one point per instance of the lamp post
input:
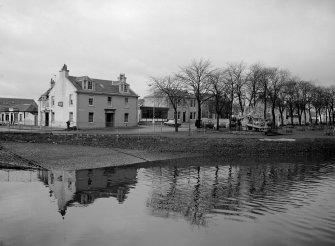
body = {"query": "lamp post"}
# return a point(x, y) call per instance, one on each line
point(153, 117)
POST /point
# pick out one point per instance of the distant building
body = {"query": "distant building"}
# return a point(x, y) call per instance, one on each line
point(160, 109)
point(88, 103)
point(18, 111)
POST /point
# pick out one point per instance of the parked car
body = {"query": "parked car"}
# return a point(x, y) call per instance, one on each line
point(223, 123)
point(207, 123)
point(172, 123)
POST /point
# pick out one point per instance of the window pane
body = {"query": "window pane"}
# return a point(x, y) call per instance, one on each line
point(90, 117)
point(90, 101)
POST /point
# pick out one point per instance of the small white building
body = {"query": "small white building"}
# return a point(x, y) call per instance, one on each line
point(18, 111)
point(88, 103)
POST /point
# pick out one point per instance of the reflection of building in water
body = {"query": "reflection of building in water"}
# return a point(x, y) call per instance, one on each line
point(18, 175)
point(63, 185)
point(84, 186)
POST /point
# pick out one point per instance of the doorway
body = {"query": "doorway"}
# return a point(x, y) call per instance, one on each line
point(109, 119)
point(184, 116)
point(46, 119)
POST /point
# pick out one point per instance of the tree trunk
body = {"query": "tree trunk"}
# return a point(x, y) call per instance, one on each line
point(265, 101)
point(175, 121)
point(217, 121)
point(281, 116)
point(310, 115)
point(305, 116)
point(273, 116)
point(199, 114)
point(326, 117)
point(291, 114)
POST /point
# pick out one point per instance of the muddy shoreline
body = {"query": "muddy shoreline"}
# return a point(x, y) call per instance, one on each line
point(94, 150)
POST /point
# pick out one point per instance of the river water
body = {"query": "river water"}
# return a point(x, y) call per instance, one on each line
point(186, 202)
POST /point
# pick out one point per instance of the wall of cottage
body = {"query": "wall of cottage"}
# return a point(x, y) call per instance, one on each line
point(100, 103)
point(18, 118)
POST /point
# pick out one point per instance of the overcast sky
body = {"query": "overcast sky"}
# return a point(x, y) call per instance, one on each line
point(143, 38)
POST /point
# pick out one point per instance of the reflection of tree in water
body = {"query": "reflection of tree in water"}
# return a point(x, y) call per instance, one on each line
point(236, 192)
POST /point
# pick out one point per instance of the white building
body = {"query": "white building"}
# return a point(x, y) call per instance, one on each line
point(88, 103)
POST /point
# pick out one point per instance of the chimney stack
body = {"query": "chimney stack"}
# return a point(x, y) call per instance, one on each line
point(64, 71)
point(122, 78)
point(52, 83)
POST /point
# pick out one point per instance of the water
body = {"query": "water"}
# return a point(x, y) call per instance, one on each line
point(189, 202)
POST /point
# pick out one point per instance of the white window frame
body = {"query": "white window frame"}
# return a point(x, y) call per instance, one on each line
point(126, 117)
point(90, 113)
point(71, 99)
point(90, 97)
point(89, 85)
point(109, 102)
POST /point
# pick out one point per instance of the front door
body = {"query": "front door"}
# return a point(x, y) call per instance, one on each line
point(46, 119)
point(184, 116)
point(109, 119)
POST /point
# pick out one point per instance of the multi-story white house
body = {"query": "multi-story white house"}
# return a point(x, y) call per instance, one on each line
point(88, 103)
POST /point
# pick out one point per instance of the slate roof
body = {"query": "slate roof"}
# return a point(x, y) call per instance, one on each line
point(46, 94)
point(18, 104)
point(101, 86)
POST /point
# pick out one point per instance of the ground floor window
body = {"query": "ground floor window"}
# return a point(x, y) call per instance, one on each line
point(178, 116)
point(192, 115)
point(71, 116)
point(20, 117)
point(90, 117)
point(126, 116)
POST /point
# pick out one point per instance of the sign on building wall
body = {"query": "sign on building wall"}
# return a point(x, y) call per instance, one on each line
point(60, 104)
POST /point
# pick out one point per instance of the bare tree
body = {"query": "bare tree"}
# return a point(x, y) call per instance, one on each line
point(237, 80)
point(281, 104)
point(195, 77)
point(172, 89)
point(218, 89)
point(253, 83)
point(277, 80)
point(291, 88)
point(264, 88)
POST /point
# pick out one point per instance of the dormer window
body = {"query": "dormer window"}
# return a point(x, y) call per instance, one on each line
point(124, 88)
point(87, 84)
point(90, 85)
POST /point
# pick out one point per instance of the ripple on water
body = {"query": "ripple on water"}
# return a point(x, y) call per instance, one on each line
point(291, 202)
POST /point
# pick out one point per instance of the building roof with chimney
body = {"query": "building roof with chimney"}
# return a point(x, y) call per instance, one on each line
point(18, 104)
point(101, 86)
